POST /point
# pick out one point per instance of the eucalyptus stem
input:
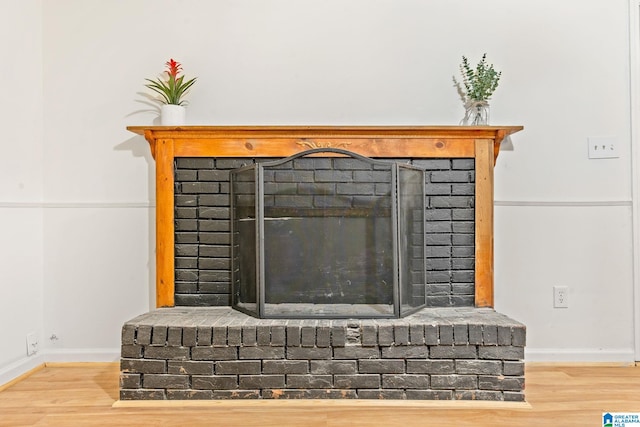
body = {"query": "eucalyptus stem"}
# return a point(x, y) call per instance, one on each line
point(479, 83)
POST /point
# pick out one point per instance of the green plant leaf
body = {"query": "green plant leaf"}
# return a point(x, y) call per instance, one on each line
point(172, 89)
point(479, 82)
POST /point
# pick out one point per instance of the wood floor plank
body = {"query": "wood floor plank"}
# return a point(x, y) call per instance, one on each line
point(84, 396)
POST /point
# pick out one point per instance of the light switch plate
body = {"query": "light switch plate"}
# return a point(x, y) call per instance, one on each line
point(603, 147)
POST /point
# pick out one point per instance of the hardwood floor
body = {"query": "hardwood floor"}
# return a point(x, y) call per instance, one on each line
point(83, 395)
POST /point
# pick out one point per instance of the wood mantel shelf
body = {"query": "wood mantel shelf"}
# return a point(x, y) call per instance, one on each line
point(479, 142)
point(282, 141)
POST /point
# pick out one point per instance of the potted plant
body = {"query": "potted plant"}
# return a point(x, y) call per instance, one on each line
point(477, 86)
point(171, 91)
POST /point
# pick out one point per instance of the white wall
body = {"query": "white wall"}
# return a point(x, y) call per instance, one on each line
point(566, 72)
point(21, 247)
point(562, 219)
point(587, 248)
point(98, 268)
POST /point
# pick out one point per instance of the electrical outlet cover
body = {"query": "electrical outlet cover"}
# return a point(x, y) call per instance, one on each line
point(32, 344)
point(560, 297)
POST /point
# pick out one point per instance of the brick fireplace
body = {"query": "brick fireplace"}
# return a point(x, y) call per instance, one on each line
point(196, 347)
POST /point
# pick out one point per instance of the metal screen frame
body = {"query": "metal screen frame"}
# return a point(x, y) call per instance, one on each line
point(260, 284)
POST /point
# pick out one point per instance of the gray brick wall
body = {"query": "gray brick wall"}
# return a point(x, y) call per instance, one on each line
point(202, 224)
point(417, 357)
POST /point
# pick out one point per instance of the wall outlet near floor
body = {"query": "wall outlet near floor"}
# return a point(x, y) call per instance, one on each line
point(32, 344)
point(560, 297)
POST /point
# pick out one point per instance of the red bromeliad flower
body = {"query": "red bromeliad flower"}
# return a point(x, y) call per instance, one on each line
point(174, 88)
point(174, 68)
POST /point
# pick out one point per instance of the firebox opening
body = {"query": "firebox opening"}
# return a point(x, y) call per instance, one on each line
point(332, 237)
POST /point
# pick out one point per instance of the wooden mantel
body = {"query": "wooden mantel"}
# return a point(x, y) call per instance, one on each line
point(479, 142)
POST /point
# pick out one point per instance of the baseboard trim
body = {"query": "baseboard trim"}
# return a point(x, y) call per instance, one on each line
point(18, 370)
point(80, 355)
point(544, 365)
point(580, 355)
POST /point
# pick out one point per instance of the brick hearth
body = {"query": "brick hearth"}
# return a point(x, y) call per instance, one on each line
point(219, 353)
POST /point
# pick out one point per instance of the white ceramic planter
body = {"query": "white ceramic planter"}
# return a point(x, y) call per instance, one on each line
point(172, 115)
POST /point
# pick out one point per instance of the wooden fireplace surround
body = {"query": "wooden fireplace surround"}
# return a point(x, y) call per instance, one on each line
point(479, 142)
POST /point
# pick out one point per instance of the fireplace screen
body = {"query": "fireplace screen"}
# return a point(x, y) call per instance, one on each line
point(333, 237)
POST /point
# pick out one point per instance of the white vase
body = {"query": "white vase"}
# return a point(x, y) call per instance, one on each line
point(172, 115)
